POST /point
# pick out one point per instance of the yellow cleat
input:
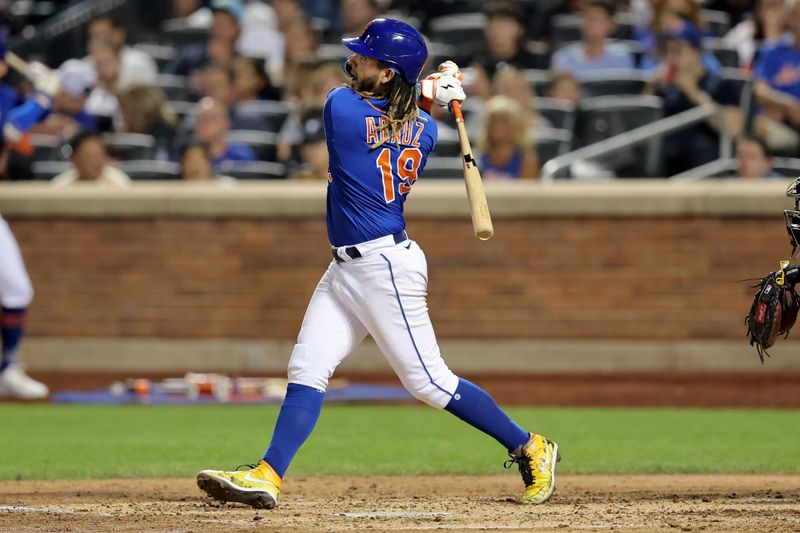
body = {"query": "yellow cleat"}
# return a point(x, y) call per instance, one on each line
point(537, 465)
point(257, 487)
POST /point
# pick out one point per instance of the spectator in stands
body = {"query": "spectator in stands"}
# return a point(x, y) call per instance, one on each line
point(90, 164)
point(313, 149)
point(505, 142)
point(223, 34)
point(68, 115)
point(505, 39)
point(213, 125)
point(763, 30)
point(197, 166)
point(135, 66)
point(251, 81)
point(102, 101)
point(512, 83)
point(594, 52)
point(301, 43)
point(737, 10)
point(563, 86)
point(777, 90)
point(144, 110)
point(219, 84)
point(191, 11)
point(753, 160)
point(356, 14)
point(683, 83)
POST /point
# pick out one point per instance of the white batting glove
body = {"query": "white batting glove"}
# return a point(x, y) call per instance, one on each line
point(45, 80)
point(448, 88)
point(449, 68)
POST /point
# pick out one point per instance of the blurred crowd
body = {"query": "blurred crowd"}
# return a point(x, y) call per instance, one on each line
point(233, 89)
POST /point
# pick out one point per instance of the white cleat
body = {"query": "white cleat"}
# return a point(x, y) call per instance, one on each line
point(15, 383)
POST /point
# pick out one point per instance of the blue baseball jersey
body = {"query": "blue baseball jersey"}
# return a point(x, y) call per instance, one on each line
point(780, 68)
point(367, 186)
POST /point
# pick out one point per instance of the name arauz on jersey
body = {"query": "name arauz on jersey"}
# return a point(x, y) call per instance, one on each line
point(378, 131)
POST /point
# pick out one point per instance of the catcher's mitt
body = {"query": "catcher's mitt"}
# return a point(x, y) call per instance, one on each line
point(774, 308)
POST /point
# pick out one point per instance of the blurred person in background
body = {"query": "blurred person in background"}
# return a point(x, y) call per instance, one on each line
point(144, 110)
point(197, 166)
point(563, 86)
point(135, 66)
point(753, 159)
point(763, 30)
point(594, 53)
point(191, 12)
point(301, 42)
point(505, 142)
point(777, 89)
point(221, 44)
point(511, 82)
point(669, 17)
point(356, 14)
point(251, 81)
point(505, 39)
point(212, 127)
point(90, 164)
point(102, 101)
point(683, 83)
point(219, 83)
point(68, 115)
point(737, 10)
point(313, 149)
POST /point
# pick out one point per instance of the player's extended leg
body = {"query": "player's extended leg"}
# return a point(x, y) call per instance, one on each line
point(395, 312)
point(328, 334)
point(16, 294)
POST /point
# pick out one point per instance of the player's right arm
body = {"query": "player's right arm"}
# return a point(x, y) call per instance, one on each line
point(441, 87)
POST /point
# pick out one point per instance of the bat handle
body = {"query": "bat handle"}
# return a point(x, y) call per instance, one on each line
point(456, 105)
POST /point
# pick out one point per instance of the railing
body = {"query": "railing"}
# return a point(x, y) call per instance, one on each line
point(641, 135)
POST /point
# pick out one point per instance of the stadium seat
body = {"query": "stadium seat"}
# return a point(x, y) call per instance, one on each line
point(270, 113)
point(537, 79)
point(551, 142)
point(162, 54)
point(718, 22)
point(151, 170)
point(438, 53)
point(788, 166)
point(559, 113)
point(258, 170)
point(460, 29)
point(47, 170)
point(130, 146)
point(177, 33)
point(743, 83)
point(332, 53)
point(602, 117)
point(541, 53)
point(447, 143)
point(567, 28)
point(727, 57)
point(443, 168)
point(612, 82)
point(263, 143)
point(175, 87)
point(181, 109)
point(49, 148)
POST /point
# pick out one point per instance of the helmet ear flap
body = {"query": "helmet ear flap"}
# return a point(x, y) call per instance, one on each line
point(346, 66)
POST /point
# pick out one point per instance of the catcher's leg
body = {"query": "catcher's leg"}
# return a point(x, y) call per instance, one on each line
point(328, 334)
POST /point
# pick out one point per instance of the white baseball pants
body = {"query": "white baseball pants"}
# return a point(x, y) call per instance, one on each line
point(382, 294)
point(16, 291)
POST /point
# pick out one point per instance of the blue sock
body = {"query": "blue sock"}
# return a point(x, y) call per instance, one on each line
point(12, 325)
point(296, 421)
point(474, 406)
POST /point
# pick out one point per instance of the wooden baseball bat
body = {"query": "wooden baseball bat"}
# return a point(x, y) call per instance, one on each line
point(478, 207)
point(17, 63)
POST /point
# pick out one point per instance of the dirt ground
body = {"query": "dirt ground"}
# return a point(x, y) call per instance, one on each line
point(594, 503)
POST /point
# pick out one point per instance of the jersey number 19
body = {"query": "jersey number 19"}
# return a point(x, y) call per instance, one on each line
point(407, 165)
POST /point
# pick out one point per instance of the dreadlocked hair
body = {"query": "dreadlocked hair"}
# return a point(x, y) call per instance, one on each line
point(402, 100)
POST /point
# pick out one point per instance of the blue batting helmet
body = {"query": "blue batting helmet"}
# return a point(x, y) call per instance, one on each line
point(395, 43)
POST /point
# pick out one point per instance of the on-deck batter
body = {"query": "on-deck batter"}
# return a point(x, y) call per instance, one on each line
point(378, 142)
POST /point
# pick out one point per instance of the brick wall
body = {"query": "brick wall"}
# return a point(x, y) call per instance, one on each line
point(553, 278)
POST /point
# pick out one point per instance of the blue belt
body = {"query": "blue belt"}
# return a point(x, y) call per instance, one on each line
point(353, 253)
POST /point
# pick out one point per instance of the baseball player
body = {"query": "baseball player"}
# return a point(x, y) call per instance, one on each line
point(16, 291)
point(378, 140)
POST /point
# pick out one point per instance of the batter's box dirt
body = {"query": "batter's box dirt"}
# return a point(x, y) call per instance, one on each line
point(460, 503)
